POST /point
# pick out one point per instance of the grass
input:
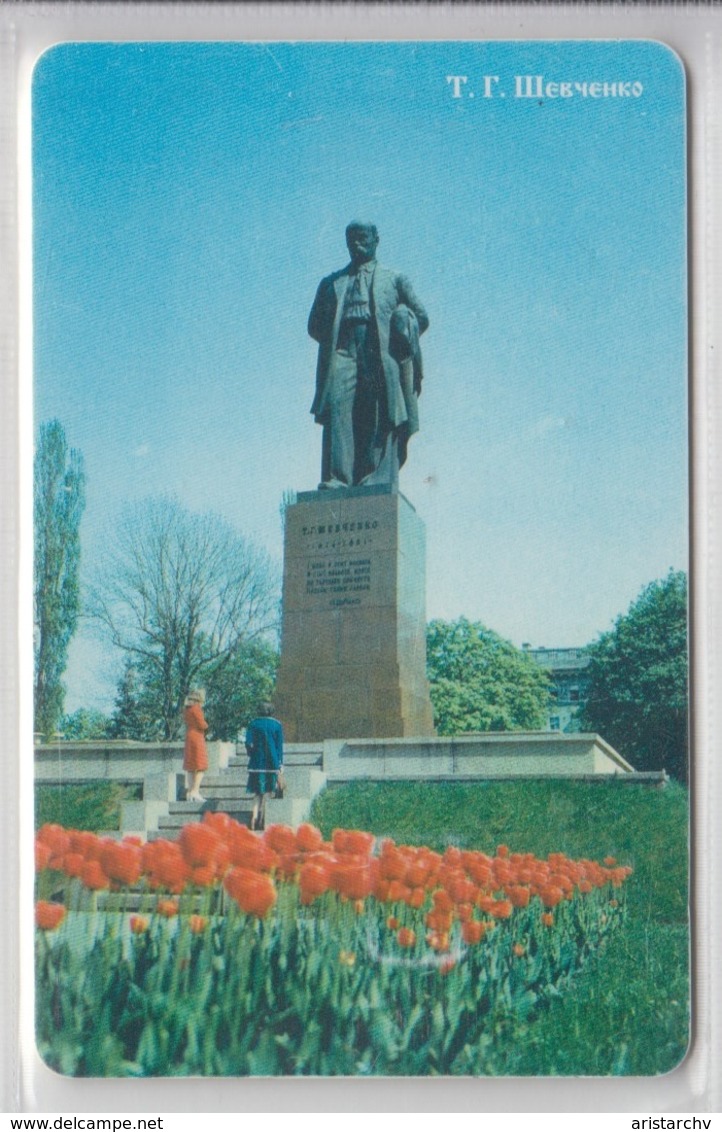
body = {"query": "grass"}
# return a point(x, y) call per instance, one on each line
point(93, 806)
point(627, 1012)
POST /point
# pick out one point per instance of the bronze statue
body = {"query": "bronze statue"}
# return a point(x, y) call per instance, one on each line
point(367, 322)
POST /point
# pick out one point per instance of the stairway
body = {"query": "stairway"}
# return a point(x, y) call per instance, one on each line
point(225, 791)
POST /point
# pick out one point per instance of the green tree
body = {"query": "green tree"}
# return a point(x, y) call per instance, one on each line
point(85, 723)
point(481, 682)
point(136, 714)
point(638, 679)
point(58, 504)
point(180, 592)
point(236, 687)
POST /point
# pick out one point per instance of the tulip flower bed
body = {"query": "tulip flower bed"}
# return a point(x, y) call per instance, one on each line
point(284, 954)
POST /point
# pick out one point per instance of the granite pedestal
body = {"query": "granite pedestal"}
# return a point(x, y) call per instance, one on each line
point(353, 649)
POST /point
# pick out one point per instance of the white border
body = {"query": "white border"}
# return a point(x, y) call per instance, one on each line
point(694, 31)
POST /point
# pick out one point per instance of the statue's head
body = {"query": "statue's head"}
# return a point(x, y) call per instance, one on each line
point(361, 240)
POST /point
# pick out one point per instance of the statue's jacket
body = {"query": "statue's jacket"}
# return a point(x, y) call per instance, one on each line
point(398, 318)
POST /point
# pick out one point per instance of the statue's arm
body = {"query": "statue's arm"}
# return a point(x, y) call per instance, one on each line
point(408, 296)
point(318, 318)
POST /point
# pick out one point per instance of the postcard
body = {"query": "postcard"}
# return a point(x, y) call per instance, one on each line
point(361, 528)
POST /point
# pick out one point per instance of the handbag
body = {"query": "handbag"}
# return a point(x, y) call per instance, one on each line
point(281, 785)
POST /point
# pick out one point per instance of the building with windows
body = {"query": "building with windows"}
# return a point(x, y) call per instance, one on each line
point(569, 684)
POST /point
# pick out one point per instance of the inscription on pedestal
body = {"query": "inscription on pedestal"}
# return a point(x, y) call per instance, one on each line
point(331, 577)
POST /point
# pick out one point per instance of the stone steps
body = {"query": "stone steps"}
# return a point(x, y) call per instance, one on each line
point(228, 783)
point(225, 791)
point(297, 754)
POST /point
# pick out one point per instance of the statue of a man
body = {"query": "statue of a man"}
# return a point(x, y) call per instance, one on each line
point(367, 322)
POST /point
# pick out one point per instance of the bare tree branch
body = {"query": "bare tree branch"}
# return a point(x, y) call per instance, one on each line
point(182, 592)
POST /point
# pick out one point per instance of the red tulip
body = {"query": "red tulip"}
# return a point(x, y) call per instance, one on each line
point(254, 893)
point(49, 916)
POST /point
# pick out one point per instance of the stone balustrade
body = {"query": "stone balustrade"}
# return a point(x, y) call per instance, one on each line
point(529, 754)
point(156, 767)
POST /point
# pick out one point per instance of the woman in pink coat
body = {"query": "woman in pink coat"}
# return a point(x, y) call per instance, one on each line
point(195, 754)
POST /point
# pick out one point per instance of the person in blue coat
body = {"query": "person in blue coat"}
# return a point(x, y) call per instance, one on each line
point(264, 744)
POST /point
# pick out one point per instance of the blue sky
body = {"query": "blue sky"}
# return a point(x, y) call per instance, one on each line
point(189, 197)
